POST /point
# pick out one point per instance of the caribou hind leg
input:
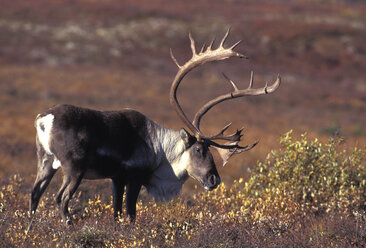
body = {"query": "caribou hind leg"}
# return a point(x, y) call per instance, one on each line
point(45, 173)
point(71, 182)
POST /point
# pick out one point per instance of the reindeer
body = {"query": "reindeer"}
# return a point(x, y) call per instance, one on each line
point(132, 150)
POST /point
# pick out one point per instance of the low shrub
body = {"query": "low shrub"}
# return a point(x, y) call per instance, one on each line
point(314, 177)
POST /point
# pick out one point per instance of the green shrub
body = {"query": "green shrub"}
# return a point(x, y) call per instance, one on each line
point(315, 177)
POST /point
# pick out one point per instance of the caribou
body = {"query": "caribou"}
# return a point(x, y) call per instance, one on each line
point(132, 150)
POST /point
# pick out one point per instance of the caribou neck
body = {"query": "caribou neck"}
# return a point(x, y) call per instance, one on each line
point(170, 142)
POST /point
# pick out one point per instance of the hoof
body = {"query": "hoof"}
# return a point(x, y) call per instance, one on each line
point(67, 221)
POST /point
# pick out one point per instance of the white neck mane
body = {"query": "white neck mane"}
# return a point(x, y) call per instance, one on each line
point(170, 174)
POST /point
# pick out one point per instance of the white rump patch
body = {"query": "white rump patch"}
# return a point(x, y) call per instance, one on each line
point(44, 127)
point(56, 163)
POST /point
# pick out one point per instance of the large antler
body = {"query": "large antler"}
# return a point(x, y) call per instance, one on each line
point(207, 55)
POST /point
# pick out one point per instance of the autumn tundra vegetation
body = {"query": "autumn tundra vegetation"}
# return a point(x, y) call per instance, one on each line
point(303, 185)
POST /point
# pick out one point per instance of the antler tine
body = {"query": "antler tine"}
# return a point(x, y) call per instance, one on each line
point(236, 44)
point(174, 59)
point(251, 80)
point(230, 81)
point(203, 48)
point(274, 86)
point(231, 137)
point(225, 37)
point(225, 128)
point(209, 48)
point(193, 45)
point(221, 133)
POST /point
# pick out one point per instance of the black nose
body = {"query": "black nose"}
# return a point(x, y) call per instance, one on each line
point(213, 181)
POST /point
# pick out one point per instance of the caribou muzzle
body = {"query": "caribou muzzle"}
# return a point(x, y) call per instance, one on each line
point(211, 181)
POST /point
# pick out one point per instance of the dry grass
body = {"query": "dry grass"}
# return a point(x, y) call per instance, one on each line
point(215, 219)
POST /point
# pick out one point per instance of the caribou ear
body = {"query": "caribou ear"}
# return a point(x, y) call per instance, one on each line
point(188, 139)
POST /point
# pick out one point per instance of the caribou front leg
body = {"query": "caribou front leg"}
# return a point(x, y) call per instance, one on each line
point(132, 192)
point(118, 187)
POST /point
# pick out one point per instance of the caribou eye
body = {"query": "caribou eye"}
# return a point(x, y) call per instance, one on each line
point(199, 151)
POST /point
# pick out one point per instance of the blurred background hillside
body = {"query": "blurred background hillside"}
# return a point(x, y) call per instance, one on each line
point(115, 54)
